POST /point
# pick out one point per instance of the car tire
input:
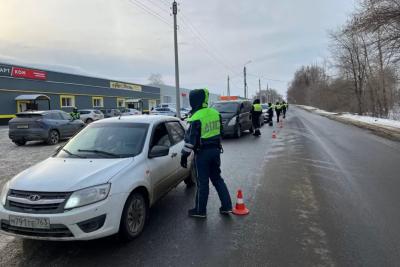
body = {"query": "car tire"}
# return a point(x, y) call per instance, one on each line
point(134, 216)
point(238, 131)
point(53, 138)
point(251, 130)
point(19, 142)
point(191, 179)
point(88, 121)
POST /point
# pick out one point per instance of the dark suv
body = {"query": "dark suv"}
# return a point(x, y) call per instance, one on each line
point(49, 126)
point(236, 116)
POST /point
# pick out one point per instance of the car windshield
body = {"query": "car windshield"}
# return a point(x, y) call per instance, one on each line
point(227, 107)
point(107, 140)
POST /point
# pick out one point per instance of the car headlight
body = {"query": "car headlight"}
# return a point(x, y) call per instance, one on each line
point(88, 196)
point(232, 122)
point(4, 193)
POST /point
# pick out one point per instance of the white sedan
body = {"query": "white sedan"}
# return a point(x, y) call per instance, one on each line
point(102, 182)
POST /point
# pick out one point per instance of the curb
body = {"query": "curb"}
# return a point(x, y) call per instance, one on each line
point(386, 132)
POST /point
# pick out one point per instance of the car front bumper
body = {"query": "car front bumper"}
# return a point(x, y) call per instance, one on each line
point(111, 207)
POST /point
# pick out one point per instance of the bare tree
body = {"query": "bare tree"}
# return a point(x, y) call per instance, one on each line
point(156, 79)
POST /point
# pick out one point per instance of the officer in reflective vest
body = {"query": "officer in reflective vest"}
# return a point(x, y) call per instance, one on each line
point(204, 139)
point(75, 114)
point(256, 113)
point(278, 110)
point(284, 108)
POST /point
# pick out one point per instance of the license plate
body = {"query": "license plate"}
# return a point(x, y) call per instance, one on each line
point(29, 222)
point(22, 126)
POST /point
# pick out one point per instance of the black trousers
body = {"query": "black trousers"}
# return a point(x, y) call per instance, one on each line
point(207, 163)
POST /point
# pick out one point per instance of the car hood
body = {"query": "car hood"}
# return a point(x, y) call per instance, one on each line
point(67, 174)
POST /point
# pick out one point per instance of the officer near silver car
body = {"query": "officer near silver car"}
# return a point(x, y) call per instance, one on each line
point(75, 114)
point(204, 139)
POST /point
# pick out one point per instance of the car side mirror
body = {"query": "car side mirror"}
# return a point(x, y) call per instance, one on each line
point(158, 151)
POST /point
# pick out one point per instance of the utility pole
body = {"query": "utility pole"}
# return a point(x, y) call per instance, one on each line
point(178, 95)
point(259, 88)
point(245, 82)
point(229, 90)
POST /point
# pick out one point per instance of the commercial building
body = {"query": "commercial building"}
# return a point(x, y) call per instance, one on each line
point(168, 95)
point(23, 88)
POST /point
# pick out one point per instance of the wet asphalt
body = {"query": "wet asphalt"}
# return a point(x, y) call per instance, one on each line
point(321, 194)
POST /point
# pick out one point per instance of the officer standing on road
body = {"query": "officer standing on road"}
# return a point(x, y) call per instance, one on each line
point(75, 114)
point(204, 138)
point(278, 109)
point(270, 112)
point(256, 113)
point(283, 105)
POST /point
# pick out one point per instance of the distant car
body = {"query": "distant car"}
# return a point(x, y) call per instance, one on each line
point(265, 112)
point(185, 112)
point(110, 112)
point(130, 111)
point(236, 116)
point(125, 165)
point(90, 115)
point(49, 126)
point(167, 111)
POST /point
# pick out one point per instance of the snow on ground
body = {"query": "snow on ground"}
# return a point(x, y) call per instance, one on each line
point(317, 110)
point(387, 123)
point(372, 120)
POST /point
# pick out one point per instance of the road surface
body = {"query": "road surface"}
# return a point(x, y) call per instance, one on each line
point(321, 194)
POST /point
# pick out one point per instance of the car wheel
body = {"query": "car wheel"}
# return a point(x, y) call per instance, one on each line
point(238, 132)
point(53, 138)
point(191, 179)
point(251, 130)
point(134, 216)
point(19, 142)
point(88, 121)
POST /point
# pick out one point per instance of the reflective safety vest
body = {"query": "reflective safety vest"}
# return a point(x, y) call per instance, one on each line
point(278, 107)
point(257, 107)
point(75, 115)
point(210, 122)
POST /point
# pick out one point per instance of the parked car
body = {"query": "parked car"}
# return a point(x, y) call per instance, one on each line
point(90, 115)
point(49, 126)
point(130, 111)
point(110, 112)
point(125, 165)
point(185, 112)
point(167, 111)
point(236, 116)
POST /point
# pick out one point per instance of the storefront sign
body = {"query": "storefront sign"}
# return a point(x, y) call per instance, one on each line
point(126, 86)
point(5, 70)
point(29, 73)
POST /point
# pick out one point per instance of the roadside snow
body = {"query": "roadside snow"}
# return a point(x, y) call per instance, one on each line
point(372, 120)
point(317, 110)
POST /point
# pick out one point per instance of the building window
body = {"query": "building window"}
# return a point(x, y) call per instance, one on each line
point(120, 102)
point(97, 102)
point(67, 101)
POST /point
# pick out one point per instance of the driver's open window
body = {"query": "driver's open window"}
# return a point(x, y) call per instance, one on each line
point(160, 136)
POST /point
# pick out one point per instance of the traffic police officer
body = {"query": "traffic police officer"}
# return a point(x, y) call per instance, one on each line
point(270, 112)
point(256, 113)
point(204, 138)
point(75, 114)
point(278, 109)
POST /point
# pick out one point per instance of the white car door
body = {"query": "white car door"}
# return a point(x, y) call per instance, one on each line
point(177, 134)
point(163, 168)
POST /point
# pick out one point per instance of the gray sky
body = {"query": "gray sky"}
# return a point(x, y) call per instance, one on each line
point(117, 39)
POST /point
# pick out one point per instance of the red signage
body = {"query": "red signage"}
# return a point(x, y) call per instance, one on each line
point(28, 73)
point(183, 94)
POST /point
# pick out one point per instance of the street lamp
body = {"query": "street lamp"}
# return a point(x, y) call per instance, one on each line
point(245, 82)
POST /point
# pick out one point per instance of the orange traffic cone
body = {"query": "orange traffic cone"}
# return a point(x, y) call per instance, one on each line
point(240, 208)
point(273, 134)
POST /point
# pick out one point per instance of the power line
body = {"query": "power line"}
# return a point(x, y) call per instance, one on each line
point(149, 11)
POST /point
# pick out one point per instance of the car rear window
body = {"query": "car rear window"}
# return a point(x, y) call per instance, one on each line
point(97, 112)
point(84, 112)
point(28, 115)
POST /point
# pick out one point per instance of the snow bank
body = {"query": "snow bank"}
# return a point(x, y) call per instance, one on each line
point(373, 120)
